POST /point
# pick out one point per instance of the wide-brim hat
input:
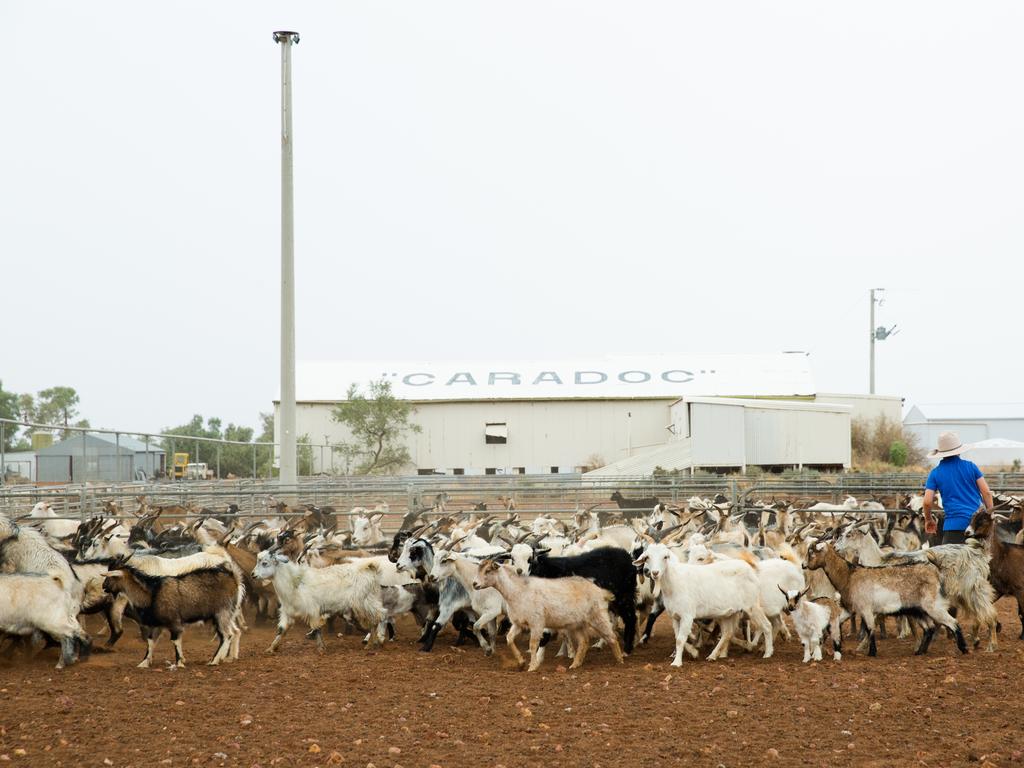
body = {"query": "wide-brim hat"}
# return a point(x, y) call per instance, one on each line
point(949, 445)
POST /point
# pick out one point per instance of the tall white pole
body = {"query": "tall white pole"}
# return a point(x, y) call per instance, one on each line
point(287, 411)
point(871, 364)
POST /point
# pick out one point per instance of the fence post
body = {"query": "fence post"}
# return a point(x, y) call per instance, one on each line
point(254, 462)
point(3, 461)
point(81, 503)
point(218, 461)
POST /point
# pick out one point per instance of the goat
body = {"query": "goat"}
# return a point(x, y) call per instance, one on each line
point(366, 530)
point(911, 589)
point(417, 558)
point(24, 550)
point(487, 604)
point(608, 567)
point(780, 573)
point(720, 590)
point(811, 618)
point(31, 603)
point(351, 590)
point(55, 530)
point(1006, 567)
point(631, 508)
point(206, 594)
point(964, 574)
point(572, 605)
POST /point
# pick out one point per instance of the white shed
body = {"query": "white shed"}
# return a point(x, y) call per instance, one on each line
point(725, 434)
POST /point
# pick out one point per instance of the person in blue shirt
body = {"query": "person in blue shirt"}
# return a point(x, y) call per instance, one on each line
point(963, 488)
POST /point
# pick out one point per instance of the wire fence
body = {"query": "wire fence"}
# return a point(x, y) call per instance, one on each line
point(533, 495)
point(63, 455)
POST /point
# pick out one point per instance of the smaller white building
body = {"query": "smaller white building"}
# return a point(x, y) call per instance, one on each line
point(722, 434)
point(973, 422)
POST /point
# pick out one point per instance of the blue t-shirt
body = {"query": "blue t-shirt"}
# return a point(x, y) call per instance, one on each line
point(957, 480)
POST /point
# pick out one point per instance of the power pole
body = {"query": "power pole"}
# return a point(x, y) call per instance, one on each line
point(287, 426)
point(871, 382)
point(881, 333)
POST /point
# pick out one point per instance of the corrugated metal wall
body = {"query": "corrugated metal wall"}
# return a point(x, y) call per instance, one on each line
point(716, 433)
point(541, 434)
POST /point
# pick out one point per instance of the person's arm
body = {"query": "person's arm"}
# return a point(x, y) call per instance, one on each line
point(986, 493)
point(930, 526)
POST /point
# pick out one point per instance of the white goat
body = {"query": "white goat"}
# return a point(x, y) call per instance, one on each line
point(366, 530)
point(811, 618)
point(351, 590)
point(487, 604)
point(781, 573)
point(31, 603)
point(720, 590)
point(55, 530)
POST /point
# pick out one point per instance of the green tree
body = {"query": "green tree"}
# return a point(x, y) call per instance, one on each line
point(377, 424)
point(57, 405)
point(898, 453)
point(233, 459)
point(9, 410)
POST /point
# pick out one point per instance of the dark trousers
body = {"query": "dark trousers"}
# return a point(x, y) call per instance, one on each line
point(953, 537)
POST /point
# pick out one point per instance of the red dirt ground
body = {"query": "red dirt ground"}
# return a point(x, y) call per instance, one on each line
point(454, 707)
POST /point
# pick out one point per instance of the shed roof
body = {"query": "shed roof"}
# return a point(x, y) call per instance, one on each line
point(100, 442)
point(652, 376)
point(970, 411)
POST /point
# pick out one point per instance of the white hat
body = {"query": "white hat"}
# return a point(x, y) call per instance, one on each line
point(949, 445)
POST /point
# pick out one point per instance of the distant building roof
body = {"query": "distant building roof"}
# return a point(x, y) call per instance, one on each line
point(73, 445)
point(970, 411)
point(132, 444)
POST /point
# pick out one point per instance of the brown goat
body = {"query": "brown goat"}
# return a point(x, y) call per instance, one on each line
point(869, 592)
point(209, 594)
point(1006, 568)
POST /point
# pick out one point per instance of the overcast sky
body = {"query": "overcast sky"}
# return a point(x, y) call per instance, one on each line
point(508, 181)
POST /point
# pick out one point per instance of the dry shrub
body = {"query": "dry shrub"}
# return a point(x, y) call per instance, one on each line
point(872, 440)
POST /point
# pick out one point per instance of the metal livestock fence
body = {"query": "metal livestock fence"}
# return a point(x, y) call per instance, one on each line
point(533, 495)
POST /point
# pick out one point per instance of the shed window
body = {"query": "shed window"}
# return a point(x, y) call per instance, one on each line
point(496, 433)
point(554, 470)
point(424, 471)
point(458, 471)
point(490, 471)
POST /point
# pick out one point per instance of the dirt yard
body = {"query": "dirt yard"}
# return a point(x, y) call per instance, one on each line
point(454, 707)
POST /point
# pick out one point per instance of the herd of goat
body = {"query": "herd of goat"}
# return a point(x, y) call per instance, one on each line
point(725, 577)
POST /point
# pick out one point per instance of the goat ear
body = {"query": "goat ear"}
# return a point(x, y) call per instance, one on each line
point(280, 558)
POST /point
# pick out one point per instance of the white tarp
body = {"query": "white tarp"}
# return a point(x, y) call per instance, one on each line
point(995, 452)
point(610, 377)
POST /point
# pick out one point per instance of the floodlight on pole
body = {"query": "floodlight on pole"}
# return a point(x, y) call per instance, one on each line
point(288, 462)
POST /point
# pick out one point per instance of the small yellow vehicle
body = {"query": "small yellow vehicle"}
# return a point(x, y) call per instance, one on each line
point(178, 466)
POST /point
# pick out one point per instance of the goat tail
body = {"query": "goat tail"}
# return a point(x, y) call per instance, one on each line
point(748, 558)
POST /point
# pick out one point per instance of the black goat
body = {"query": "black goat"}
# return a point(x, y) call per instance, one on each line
point(608, 567)
point(631, 508)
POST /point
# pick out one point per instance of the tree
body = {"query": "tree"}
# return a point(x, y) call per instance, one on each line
point(58, 405)
point(898, 453)
point(377, 424)
point(233, 459)
point(872, 441)
point(8, 410)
